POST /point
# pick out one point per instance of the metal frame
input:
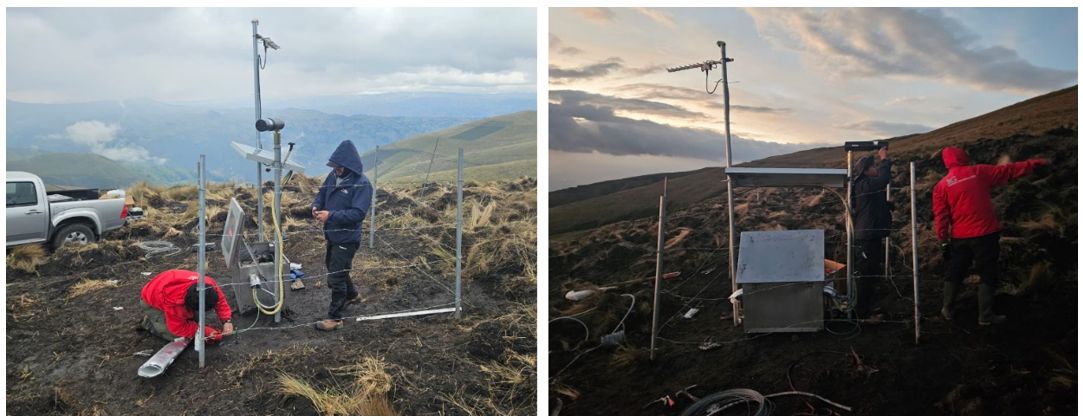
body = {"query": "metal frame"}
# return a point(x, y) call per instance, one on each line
point(458, 309)
point(783, 178)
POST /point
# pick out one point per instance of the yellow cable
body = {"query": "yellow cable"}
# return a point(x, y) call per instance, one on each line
point(281, 298)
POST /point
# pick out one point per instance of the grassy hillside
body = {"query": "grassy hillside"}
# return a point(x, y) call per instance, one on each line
point(598, 204)
point(76, 169)
point(88, 170)
point(498, 148)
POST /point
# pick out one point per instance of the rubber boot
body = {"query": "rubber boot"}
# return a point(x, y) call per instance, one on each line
point(951, 290)
point(986, 316)
point(866, 288)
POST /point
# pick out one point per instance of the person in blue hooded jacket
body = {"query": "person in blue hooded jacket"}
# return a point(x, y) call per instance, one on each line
point(341, 205)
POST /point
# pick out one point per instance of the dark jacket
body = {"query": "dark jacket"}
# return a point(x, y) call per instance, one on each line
point(348, 199)
point(962, 200)
point(872, 214)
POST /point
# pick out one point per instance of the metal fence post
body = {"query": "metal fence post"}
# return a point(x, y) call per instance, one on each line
point(200, 342)
point(658, 264)
point(914, 251)
point(459, 240)
point(372, 208)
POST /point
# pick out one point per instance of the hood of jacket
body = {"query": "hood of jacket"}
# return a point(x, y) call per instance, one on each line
point(954, 156)
point(346, 156)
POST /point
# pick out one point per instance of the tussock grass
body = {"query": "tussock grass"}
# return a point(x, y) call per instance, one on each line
point(26, 258)
point(480, 216)
point(88, 285)
point(366, 395)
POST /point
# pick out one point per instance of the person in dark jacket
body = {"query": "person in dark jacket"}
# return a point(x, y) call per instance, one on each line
point(963, 213)
point(872, 223)
point(170, 303)
point(341, 205)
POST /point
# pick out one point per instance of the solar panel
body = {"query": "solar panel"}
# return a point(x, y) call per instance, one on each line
point(265, 156)
point(233, 234)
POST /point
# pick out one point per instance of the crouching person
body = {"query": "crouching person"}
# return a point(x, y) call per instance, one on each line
point(171, 306)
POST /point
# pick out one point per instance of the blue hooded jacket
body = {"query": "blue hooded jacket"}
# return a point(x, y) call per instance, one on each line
point(348, 199)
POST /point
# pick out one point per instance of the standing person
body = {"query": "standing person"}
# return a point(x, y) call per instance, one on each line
point(341, 205)
point(872, 223)
point(964, 214)
point(170, 302)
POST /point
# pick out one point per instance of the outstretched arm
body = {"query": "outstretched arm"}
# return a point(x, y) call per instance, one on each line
point(1001, 174)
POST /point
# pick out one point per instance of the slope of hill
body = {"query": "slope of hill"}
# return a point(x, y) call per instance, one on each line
point(85, 170)
point(606, 202)
point(88, 170)
point(497, 148)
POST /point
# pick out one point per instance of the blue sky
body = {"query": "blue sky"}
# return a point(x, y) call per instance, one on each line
point(800, 76)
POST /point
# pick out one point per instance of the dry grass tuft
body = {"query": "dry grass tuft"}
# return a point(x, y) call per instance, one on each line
point(480, 216)
point(87, 286)
point(26, 258)
point(366, 397)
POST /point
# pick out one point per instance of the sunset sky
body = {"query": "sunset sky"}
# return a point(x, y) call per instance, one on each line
point(800, 76)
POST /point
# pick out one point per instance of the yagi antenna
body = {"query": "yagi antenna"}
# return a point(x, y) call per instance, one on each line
point(704, 66)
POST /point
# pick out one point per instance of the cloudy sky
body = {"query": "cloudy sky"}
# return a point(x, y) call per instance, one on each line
point(800, 76)
point(194, 54)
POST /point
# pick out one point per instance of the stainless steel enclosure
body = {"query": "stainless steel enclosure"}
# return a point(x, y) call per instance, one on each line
point(782, 274)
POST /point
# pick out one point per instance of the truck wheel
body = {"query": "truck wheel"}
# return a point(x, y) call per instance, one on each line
point(73, 233)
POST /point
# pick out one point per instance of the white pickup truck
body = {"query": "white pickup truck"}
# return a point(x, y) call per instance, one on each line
point(35, 216)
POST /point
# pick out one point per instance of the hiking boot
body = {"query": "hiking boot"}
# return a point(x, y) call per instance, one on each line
point(951, 290)
point(297, 285)
point(993, 320)
point(328, 325)
point(986, 316)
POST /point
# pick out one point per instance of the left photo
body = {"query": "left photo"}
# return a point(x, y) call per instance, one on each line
point(281, 211)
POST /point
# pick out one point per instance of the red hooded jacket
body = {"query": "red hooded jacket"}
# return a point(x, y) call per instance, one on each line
point(166, 292)
point(962, 201)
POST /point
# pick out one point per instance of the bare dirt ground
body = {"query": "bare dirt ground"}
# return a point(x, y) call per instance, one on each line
point(1024, 367)
point(70, 352)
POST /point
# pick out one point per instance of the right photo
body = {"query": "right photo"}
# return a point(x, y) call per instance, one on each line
point(813, 211)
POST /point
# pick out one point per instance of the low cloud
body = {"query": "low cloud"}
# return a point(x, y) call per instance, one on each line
point(609, 66)
point(581, 122)
point(887, 128)
point(871, 42)
point(652, 90)
point(616, 104)
point(101, 139)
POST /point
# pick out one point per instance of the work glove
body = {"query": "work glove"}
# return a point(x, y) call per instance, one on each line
point(945, 250)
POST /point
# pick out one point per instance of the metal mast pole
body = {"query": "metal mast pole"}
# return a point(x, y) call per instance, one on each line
point(729, 181)
point(259, 141)
point(372, 208)
point(658, 263)
point(200, 342)
point(459, 240)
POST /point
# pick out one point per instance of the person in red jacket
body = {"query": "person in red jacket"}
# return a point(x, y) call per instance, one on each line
point(171, 303)
point(967, 227)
